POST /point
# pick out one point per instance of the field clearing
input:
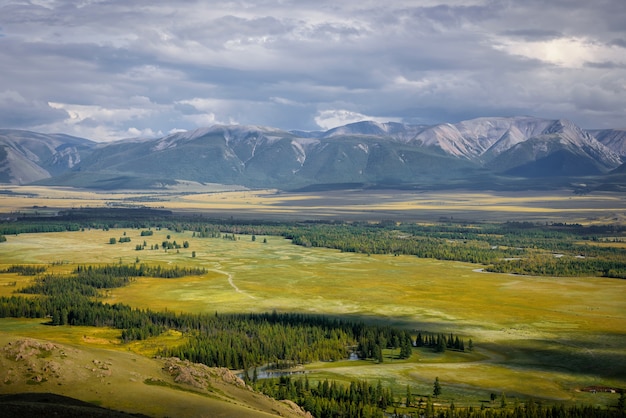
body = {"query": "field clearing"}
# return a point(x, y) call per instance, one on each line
point(535, 336)
point(549, 206)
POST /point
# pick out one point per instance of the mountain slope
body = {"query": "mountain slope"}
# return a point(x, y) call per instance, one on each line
point(614, 139)
point(473, 138)
point(121, 381)
point(28, 156)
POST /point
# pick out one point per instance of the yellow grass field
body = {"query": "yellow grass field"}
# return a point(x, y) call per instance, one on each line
point(557, 205)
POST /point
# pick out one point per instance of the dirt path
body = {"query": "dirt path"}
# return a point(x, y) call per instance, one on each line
point(232, 283)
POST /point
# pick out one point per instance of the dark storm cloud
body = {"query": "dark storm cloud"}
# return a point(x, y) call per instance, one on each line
point(111, 69)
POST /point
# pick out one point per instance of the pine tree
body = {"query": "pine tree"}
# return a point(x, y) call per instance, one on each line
point(441, 344)
point(436, 388)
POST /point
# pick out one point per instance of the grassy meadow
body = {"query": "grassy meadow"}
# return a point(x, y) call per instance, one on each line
point(534, 337)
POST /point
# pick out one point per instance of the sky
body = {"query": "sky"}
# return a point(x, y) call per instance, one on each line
point(107, 70)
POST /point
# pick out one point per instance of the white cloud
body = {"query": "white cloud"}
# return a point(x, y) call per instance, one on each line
point(80, 113)
point(570, 52)
point(328, 119)
point(143, 133)
point(204, 104)
point(203, 119)
point(100, 123)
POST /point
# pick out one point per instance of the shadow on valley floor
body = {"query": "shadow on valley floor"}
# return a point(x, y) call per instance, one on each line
point(600, 356)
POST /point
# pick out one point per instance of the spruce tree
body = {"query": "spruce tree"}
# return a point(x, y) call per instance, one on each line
point(436, 388)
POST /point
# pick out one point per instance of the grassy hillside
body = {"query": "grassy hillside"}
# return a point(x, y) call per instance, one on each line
point(90, 367)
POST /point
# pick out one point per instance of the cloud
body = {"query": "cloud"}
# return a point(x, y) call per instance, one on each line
point(568, 52)
point(90, 120)
point(115, 69)
point(328, 119)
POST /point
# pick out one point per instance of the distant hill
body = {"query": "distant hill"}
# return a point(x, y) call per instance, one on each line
point(470, 153)
point(29, 156)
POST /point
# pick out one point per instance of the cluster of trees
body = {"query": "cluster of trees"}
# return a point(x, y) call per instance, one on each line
point(37, 225)
point(206, 231)
point(441, 342)
point(173, 245)
point(243, 341)
point(24, 270)
point(550, 265)
point(331, 399)
point(141, 270)
point(56, 285)
point(372, 343)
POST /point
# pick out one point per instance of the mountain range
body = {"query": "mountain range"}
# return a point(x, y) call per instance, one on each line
point(491, 152)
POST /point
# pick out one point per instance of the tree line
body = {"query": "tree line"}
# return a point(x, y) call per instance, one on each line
point(24, 270)
point(141, 270)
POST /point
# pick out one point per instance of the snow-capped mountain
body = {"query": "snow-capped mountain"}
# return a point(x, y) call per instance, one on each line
point(364, 153)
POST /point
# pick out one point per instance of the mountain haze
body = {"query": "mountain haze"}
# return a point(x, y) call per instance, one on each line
point(477, 151)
